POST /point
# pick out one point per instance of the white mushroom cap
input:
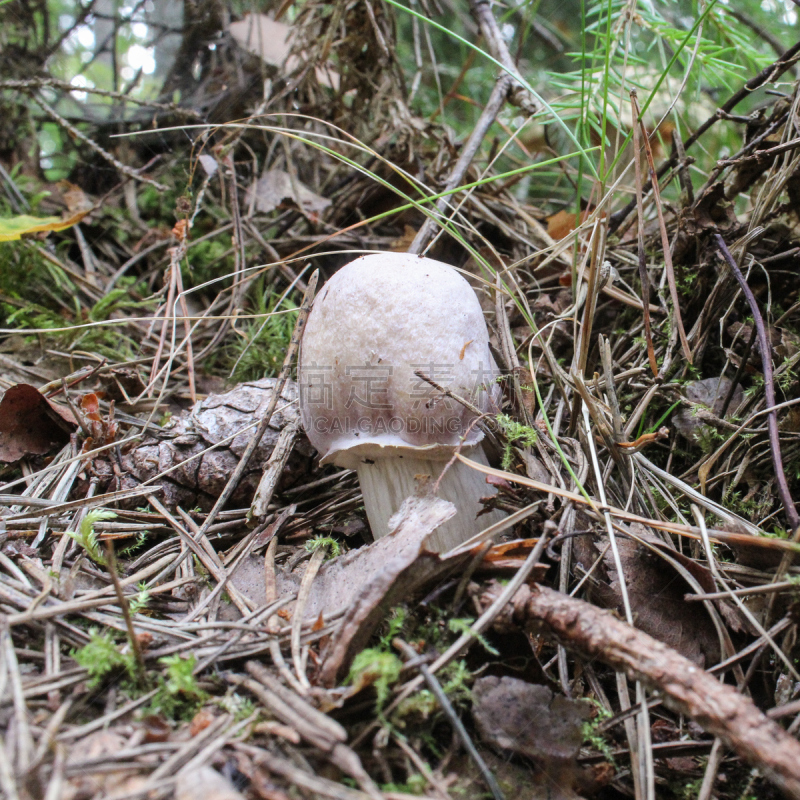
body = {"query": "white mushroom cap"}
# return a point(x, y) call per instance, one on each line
point(375, 322)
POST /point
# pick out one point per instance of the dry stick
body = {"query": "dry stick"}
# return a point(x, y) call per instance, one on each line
point(187, 326)
point(136, 648)
point(685, 688)
point(82, 137)
point(643, 276)
point(487, 118)
point(437, 691)
point(496, 44)
point(769, 387)
point(303, 595)
point(762, 155)
point(175, 257)
point(771, 72)
point(673, 289)
point(37, 83)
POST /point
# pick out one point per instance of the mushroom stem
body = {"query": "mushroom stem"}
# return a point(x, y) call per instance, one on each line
point(386, 482)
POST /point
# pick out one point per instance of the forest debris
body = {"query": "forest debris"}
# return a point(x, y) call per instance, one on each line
point(270, 41)
point(204, 783)
point(314, 726)
point(30, 424)
point(710, 393)
point(207, 442)
point(276, 186)
point(374, 567)
point(656, 595)
point(685, 688)
point(368, 581)
point(87, 775)
point(25, 225)
point(529, 719)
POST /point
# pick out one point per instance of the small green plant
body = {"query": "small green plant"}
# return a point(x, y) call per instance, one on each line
point(592, 734)
point(462, 626)
point(422, 705)
point(377, 668)
point(101, 656)
point(141, 538)
point(178, 693)
point(515, 433)
point(396, 621)
point(415, 784)
point(312, 545)
point(139, 603)
point(86, 536)
point(263, 339)
point(240, 707)
point(690, 789)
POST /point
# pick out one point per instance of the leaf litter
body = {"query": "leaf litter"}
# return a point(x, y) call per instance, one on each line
point(247, 635)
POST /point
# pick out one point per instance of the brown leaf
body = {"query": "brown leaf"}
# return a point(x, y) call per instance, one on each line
point(156, 728)
point(561, 224)
point(656, 593)
point(709, 393)
point(713, 211)
point(368, 581)
point(75, 198)
point(30, 424)
point(509, 556)
point(527, 718)
point(402, 244)
point(200, 721)
point(276, 186)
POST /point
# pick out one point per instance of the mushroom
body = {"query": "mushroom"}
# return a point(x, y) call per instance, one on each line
point(376, 322)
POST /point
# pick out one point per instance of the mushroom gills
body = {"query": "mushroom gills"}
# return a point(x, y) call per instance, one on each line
point(387, 482)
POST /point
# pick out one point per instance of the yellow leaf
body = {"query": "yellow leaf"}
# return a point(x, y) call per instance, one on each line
point(12, 228)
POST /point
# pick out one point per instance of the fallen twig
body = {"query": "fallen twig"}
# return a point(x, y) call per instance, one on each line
point(686, 688)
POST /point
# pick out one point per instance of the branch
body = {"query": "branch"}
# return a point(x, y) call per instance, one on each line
point(685, 688)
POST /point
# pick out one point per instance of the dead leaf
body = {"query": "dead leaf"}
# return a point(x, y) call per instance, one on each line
point(713, 212)
point(204, 783)
point(12, 228)
point(275, 186)
point(529, 719)
point(402, 244)
point(30, 424)
point(156, 728)
point(75, 198)
point(200, 721)
point(561, 224)
point(709, 393)
point(270, 41)
point(656, 594)
point(509, 556)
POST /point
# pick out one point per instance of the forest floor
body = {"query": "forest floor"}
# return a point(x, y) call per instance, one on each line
point(192, 606)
